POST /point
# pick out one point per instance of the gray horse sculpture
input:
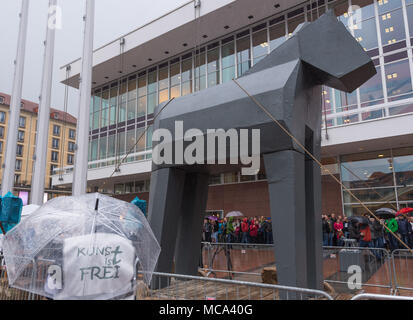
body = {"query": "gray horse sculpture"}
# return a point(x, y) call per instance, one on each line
point(288, 82)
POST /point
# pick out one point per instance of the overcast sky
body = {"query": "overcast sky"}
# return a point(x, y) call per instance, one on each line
point(113, 18)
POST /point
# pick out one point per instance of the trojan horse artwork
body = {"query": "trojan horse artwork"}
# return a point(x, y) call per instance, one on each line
point(288, 82)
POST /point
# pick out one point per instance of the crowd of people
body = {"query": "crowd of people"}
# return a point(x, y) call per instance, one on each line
point(257, 230)
point(372, 234)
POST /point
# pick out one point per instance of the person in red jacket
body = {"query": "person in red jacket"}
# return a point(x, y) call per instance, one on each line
point(244, 230)
point(254, 232)
point(365, 233)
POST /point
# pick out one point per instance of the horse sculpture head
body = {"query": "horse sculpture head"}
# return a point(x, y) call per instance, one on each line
point(330, 53)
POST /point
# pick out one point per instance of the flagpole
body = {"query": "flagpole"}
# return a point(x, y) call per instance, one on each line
point(40, 160)
point(82, 135)
point(7, 183)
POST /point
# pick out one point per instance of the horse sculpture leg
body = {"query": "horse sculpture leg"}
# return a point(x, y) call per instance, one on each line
point(286, 185)
point(165, 208)
point(190, 224)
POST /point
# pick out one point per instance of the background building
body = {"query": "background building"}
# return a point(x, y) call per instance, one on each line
point(367, 135)
point(62, 137)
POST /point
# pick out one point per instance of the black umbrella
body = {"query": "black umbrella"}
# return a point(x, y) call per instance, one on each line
point(385, 213)
point(359, 219)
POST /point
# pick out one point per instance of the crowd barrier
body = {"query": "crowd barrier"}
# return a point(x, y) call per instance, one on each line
point(403, 269)
point(368, 296)
point(166, 286)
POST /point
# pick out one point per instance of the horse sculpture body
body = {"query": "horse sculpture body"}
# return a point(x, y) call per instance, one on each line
point(288, 82)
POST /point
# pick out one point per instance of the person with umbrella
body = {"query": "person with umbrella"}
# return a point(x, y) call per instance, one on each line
point(404, 228)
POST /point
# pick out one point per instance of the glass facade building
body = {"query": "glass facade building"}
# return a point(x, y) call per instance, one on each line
point(122, 111)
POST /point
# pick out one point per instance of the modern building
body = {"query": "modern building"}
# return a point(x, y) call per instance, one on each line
point(367, 135)
point(61, 143)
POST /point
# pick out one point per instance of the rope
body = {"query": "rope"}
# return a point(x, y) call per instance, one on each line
point(319, 163)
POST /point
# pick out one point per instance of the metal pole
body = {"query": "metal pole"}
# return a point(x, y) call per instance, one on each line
point(82, 136)
point(40, 159)
point(14, 113)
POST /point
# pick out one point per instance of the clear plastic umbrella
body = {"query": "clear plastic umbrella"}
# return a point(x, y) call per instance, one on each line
point(85, 247)
point(234, 214)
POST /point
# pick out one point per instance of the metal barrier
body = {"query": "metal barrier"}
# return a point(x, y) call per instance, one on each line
point(167, 286)
point(403, 266)
point(246, 262)
point(367, 296)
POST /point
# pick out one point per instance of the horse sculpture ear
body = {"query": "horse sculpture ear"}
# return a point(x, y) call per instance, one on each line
point(333, 56)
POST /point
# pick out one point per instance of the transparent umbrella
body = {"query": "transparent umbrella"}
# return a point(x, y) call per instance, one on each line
point(234, 214)
point(85, 247)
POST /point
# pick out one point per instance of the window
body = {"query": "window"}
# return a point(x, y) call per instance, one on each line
point(72, 134)
point(1, 132)
point(2, 100)
point(55, 156)
point(213, 67)
point(20, 136)
point(244, 55)
point(22, 122)
point(18, 165)
point(53, 169)
point(392, 27)
point(55, 143)
point(16, 179)
point(2, 117)
point(1, 146)
point(71, 147)
point(19, 150)
point(56, 130)
point(70, 159)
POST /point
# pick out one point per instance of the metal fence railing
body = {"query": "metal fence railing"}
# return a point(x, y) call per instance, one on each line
point(369, 296)
point(403, 271)
point(166, 286)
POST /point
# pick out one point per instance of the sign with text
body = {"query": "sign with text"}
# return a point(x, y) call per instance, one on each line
point(97, 266)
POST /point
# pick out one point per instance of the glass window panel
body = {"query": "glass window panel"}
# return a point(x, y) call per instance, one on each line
point(260, 43)
point(122, 112)
point(102, 147)
point(97, 102)
point(387, 5)
point(370, 195)
point(105, 118)
point(163, 78)
point(392, 27)
point(96, 120)
point(213, 60)
point(132, 93)
point(112, 116)
point(151, 103)
point(347, 119)
point(105, 99)
point(294, 23)
point(186, 70)
point(94, 150)
point(186, 88)
point(403, 167)
point(398, 78)
point(123, 92)
point(200, 83)
point(231, 177)
point(213, 79)
point(130, 141)
point(175, 71)
point(407, 108)
point(228, 74)
point(372, 89)
point(277, 35)
point(121, 143)
point(114, 96)
point(140, 134)
point(344, 99)
point(228, 55)
point(141, 106)
point(163, 95)
point(243, 55)
point(365, 170)
point(367, 34)
point(358, 210)
point(410, 17)
point(152, 82)
point(142, 86)
point(176, 91)
point(131, 109)
point(328, 103)
point(200, 65)
point(111, 145)
point(370, 115)
point(149, 138)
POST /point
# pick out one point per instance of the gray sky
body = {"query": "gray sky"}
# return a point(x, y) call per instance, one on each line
point(113, 19)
